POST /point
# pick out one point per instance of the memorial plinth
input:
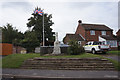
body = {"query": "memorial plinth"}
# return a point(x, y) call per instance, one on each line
point(56, 49)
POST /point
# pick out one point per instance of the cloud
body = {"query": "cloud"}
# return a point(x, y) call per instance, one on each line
point(94, 13)
point(26, 6)
point(16, 13)
point(65, 14)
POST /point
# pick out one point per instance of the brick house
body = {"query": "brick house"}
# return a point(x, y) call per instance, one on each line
point(96, 32)
point(118, 38)
point(76, 37)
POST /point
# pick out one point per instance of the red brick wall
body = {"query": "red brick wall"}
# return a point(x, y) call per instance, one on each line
point(109, 32)
point(92, 37)
point(95, 37)
point(118, 32)
point(80, 30)
point(66, 39)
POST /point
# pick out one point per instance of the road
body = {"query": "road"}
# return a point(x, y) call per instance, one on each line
point(37, 73)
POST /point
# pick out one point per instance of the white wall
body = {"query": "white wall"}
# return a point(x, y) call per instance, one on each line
point(101, 39)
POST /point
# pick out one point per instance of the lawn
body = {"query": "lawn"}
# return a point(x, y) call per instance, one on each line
point(16, 60)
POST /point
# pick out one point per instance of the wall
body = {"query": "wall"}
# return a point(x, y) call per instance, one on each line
point(49, 50)
point(66, 39)
point(17, 49)
point(114, 48)
point(80, 30)
point(96, 36)
point(6, 48)
point(101, 39)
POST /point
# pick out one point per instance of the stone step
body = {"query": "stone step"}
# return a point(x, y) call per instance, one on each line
point(51, 68)
point(65, 67)
point(71, 65)
point(78, 63)
point(68, 64)
point(50, 61)
point(58, 65)
point(65, 59)
point(38, 58)
point(62, 64)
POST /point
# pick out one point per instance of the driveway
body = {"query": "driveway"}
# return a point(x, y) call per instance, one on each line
point(110, 56)
point(117, 58)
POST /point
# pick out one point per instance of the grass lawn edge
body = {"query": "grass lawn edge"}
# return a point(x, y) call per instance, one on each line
point(16, 60)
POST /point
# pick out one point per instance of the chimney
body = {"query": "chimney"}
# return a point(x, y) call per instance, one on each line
point(80, 21)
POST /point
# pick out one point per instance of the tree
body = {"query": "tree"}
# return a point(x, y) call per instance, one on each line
point(75, 48)
point(30, 42)
point(35, 23)
point(10, 34)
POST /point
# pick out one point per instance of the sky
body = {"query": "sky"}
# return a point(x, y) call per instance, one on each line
point(65, 13)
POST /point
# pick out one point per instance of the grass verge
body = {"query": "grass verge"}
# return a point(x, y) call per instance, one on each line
point(116, 64)
point(114, 52)
point(16, 60)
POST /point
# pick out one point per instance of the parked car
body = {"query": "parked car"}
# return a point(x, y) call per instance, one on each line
point(96, 46)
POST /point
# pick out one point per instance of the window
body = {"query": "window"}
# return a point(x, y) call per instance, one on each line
point(103, 32)
point(112, 43)
point(79, 42)
point(89, 43)
point(103, 42)
point(92, 32)
point(95, 43)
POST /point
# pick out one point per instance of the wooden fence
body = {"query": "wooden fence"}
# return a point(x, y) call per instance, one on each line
point(6, 49)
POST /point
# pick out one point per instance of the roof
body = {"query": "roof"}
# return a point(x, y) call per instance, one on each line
point(108, 37)
point(0, 28)
point(118, 32)
point(77, 37)
point(95, 27)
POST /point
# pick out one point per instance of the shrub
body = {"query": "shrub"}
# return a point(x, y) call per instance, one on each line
point(75, 48)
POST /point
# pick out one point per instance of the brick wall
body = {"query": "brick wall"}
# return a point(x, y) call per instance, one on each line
point(66, 40)
point(95, 37)
point(80, 30)
point(49, 50)
point(114, 48)
point(86, 33)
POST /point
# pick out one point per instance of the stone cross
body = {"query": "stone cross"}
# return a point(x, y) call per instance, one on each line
point(56, 36)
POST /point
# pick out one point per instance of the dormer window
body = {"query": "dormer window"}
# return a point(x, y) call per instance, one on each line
point(103, 32)
point(92, 32)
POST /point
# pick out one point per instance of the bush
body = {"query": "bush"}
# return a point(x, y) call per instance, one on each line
point(75, 48)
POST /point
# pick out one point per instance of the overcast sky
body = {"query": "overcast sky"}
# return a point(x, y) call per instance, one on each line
point(65, 13)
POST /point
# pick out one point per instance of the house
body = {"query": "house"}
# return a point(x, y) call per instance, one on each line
point(96, 32)
point(76, 37)
point(110, 40)
point(18, 49)
point(118, 38)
